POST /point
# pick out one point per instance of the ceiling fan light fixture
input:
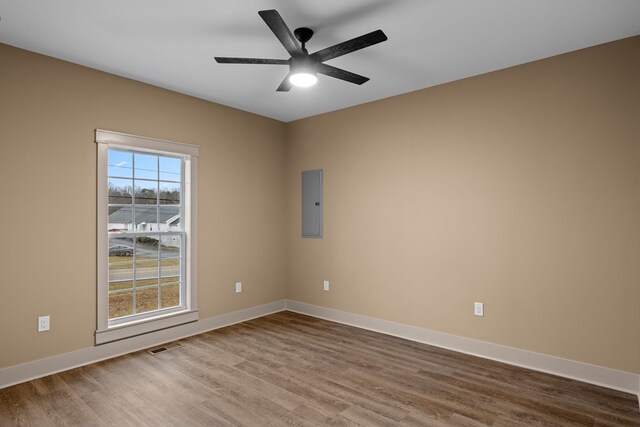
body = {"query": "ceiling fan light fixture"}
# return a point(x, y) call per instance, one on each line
point(303, 78)
point(303, 72)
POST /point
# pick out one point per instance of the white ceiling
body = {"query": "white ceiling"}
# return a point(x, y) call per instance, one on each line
point(171, 44)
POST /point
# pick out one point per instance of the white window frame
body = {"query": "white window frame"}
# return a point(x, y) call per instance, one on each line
point(111, 331)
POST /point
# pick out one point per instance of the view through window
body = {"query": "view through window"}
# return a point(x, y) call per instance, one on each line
point(145, 233)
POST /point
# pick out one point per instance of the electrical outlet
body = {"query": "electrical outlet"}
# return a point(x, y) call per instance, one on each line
point(238, 287)
point(325, 285)
point(478, 309)
point(43, 323)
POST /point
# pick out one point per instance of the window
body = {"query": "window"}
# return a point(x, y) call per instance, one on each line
point(146, 235)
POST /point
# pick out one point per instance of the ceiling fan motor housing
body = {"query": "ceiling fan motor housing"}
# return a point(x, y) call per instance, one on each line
point(301, 64)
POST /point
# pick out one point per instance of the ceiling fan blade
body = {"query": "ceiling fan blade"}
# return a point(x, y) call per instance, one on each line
point(285, 86)
point(349, 46)
point(273, 19)
point(226, 60)
point(341, 74)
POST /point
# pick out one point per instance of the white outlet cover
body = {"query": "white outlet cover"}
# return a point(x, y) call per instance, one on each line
point(43, 323)
point(325, 285)
point(478, 309)
point(238, 287)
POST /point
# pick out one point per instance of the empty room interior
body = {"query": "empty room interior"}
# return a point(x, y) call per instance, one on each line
point(443, 228)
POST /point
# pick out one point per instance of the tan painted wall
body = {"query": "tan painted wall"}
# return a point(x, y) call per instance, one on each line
point(48, 111)
point(518, 188)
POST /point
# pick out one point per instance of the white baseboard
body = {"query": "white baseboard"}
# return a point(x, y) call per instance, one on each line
point(39, 368)
point(599, 375)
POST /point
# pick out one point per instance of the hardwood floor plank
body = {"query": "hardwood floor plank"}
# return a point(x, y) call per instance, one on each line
point(428, 397)
point(26, 410)
point(228, 377)
point(112, 409)
point(48, 384)
point(80, 383)
point(288, 369)
point(353, 396)
point(366, 417)
point(77, 414)
point(421, 420)
point(314, 416)
point(291, 384)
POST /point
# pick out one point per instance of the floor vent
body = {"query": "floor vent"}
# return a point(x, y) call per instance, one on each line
point(163, 348)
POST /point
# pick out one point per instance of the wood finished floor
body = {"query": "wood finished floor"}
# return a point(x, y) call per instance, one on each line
point(290, 369)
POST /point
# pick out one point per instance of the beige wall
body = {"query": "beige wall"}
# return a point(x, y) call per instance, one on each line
point(518, 188)
point(48, 111)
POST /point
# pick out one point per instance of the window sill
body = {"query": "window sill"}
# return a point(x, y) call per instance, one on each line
point(139, 327)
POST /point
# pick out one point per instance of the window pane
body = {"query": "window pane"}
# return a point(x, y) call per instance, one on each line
point(146, 192)
point(170, 270)
point(120, 219)
point(146, 268)
point(169, 193)
point(142, 283)
point(120, 304)
point(147, 247)
point(146, 166)
point(120, 191)
point(169, 216)
point(170, 247)
point(170, 295)
point(120, 273)
point(146, 300)
point(120, 164)
point(173, 280)
point(120, 249)
point(170, 168)
point(146, 273)
point(121, 284)
point(146, 218)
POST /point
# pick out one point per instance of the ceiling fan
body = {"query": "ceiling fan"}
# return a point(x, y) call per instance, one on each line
point(303, 67)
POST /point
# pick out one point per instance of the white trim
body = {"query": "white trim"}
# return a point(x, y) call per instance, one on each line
point(106, 330)
point(145, 143)
point(593, 374)
point(145, 326)
point(102, 237)
point(39, 368)
point(191, 228)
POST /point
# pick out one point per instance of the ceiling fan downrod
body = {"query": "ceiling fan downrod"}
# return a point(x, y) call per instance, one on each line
point(303, 34)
